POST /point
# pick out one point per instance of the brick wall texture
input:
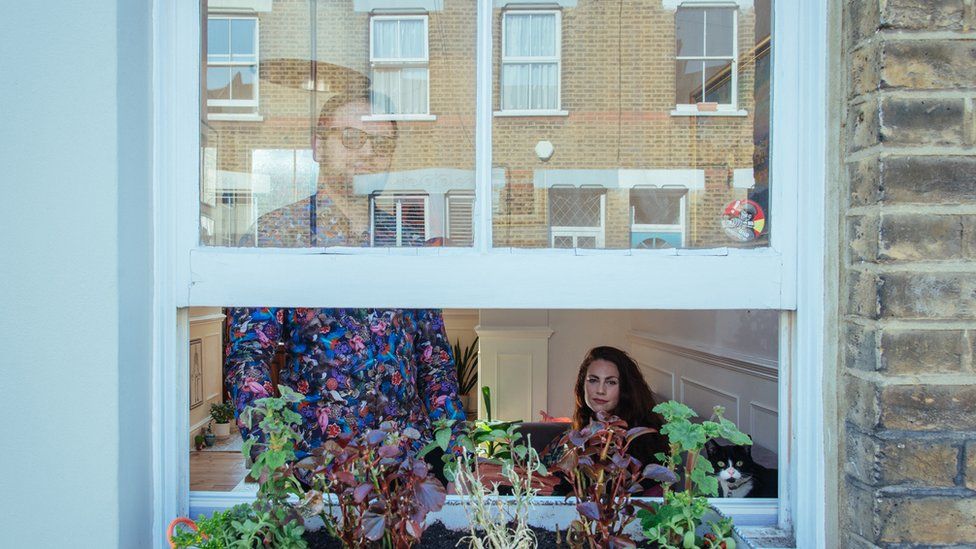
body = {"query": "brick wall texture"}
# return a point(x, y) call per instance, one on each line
point(908, 376)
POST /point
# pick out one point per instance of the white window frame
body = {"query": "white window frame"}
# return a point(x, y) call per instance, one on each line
point(778, 277)
point(557, 59)
point(252, 104)
point(398, 199)
point(598, 232)
point(679, 228)
point(723, 109)
point(401, 63)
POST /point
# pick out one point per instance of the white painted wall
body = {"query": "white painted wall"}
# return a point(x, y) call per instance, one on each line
point(741, 332)
point(75, 274)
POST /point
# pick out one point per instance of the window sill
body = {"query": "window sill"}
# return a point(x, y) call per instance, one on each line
point(235, 117)
point(399, 118)
point(531, 113)
point(729, 113)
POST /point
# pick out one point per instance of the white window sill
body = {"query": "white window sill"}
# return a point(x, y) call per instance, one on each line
point(399, 118)
point(732, 113)
point(235, 117)
point(531, 113)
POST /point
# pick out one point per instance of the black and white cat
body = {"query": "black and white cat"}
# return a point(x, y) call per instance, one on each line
point(738, 475)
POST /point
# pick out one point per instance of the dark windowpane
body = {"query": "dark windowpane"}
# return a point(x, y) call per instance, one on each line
point(719, 32)
point(689, 32)
point(688, 82)
point(718, 81)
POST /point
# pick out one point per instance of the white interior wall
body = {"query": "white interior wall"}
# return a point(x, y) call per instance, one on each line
point(206, 325)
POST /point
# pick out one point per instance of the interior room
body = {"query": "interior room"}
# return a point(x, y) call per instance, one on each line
point(530, 359)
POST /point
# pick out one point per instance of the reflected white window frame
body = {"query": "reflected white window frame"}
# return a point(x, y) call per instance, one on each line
point(400, 64)
point(679, 228)
point(557, 59)
point(779, 277)
point(727, 109)
point(251, 104)
point(597, 232)
point(397, 199)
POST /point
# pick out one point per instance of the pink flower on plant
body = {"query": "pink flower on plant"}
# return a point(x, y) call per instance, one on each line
point(323, 418)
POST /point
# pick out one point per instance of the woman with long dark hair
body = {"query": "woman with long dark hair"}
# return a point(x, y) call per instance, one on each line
point(610, 381)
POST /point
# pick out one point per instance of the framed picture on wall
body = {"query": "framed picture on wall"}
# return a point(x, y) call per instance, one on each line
point(196, 373)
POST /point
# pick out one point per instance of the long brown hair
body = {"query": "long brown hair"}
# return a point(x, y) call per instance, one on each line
point(635, 405)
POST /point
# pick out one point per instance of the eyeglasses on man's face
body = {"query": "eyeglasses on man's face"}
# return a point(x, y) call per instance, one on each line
point(355, 138)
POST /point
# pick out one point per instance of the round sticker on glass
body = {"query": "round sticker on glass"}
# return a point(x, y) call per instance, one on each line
point(743, 220)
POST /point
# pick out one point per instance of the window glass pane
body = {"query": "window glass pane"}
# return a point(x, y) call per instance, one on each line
point(575, 207)
point(412, 38)
point(218, 83)
point(242, 83)
point(242, 39)
point(638, 117)
point(294, 158)
point(385, 38)
point(530, 35)
point(690, 32)
point(353, 368)
point(719, 31)
point(218, 39)
point(688, 81)
point(718, 81)
point(657, 206)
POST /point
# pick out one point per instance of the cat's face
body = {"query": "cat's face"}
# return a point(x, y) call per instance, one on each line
point(732, 464)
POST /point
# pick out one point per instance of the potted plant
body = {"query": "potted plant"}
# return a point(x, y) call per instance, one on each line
point(222, 414)
point(209, 437)
point(198, 441)
point(466, 361)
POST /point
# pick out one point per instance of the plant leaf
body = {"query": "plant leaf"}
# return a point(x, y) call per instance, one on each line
point(373, 525)
point(660, 473)
point(589, 510)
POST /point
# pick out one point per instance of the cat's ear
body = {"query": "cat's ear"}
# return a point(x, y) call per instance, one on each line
point(711, 448)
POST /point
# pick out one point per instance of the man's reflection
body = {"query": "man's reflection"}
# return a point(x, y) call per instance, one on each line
point(344, 145)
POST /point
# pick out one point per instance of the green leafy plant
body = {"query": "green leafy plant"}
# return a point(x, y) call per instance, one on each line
point(604, 476)
point(466, 361)
point(271, 521)
point(222, 412)
point(674, 522)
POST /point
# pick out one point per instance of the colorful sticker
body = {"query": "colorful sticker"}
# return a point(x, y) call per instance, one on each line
point(743, 220)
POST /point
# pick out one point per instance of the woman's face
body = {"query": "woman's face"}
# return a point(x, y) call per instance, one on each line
point(602, 386)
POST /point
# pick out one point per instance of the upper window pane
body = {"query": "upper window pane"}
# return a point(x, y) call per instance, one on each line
point(661, 113)
point(328, 125)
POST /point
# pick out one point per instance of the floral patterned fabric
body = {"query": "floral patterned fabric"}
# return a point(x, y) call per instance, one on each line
point(356, 367)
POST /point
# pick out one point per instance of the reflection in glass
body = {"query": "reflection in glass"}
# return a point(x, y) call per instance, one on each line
point(662, 124)
point(339, 131)
point(636, 127)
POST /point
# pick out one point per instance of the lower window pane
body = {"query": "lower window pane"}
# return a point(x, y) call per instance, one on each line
point(351, 369)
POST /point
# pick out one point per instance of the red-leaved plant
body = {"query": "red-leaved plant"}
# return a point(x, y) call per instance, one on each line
point(604, 477)
point(383, 491)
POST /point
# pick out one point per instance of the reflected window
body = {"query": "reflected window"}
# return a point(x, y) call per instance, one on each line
point(232, 65)
point(460, 219)
point(398, 220)
point(577, 217)
point(530, 61)
point(705, 64)
point(398, 57)
point(657, 218)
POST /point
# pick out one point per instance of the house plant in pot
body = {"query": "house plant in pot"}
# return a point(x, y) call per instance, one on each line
point(222, 414)
point(466, 361)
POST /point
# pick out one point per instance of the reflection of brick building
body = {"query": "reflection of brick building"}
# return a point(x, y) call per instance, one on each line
point(631, 163)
